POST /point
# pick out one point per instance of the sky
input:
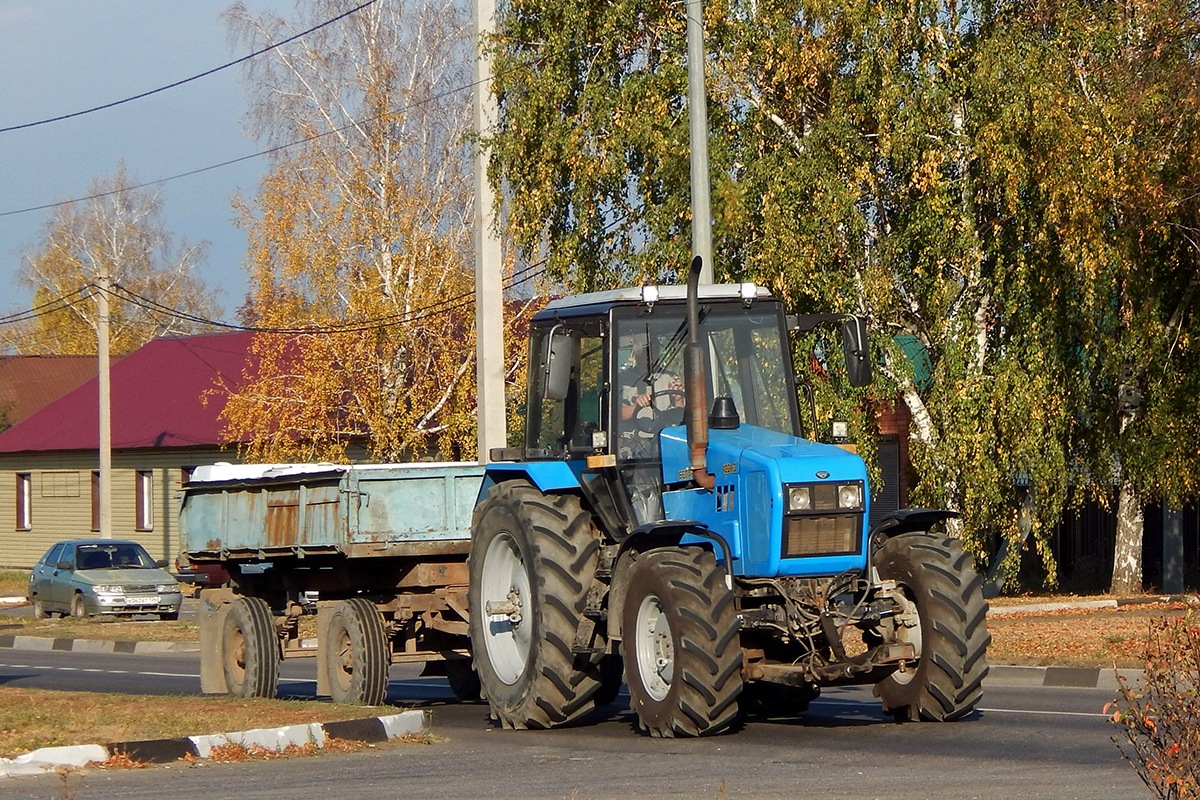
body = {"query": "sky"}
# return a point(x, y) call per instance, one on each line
point(69, 55)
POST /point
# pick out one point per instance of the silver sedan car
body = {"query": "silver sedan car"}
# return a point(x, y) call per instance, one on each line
point(84, 577)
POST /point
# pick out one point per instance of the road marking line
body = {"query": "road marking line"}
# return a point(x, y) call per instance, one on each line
point(1044, 713)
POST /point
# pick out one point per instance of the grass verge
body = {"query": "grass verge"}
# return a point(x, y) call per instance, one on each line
point(13, 582)
point(33, 718)
point(108, 628)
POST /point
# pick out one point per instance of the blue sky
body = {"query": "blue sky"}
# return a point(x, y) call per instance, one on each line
point(67, 55)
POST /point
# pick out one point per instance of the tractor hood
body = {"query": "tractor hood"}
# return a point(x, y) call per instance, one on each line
point(790, 458)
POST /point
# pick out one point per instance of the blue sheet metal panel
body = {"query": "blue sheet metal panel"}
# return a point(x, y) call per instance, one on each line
point(411, 503)
point(547, 476)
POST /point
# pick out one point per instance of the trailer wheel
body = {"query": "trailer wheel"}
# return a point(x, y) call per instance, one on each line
point(531, 566)
point(683, 655)
point(356, 654)
point(250, 655)
point(951, 637)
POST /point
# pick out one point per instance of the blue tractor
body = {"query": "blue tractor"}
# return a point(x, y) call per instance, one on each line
point(665, 524)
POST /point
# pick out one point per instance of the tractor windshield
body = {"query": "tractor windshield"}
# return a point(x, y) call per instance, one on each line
point(746, 359)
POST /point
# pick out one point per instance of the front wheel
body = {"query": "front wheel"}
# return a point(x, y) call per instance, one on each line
point(948, 631)
point(533, 557)
point(78, 609)
point(683, 654)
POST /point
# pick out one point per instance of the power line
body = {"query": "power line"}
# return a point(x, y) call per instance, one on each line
point(178, 83)
point(278, 148)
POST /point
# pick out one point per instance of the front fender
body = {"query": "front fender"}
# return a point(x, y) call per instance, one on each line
point(907, 520)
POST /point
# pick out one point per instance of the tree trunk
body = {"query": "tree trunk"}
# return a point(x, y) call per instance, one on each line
point(1127, 555)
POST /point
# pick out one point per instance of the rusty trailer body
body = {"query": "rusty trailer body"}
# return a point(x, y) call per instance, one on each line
point(380, 550)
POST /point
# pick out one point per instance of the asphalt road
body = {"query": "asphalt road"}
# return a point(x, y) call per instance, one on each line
point(1024, 743)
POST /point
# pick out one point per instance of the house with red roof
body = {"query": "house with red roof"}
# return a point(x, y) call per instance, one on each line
point(167, 398)
point(29, 382)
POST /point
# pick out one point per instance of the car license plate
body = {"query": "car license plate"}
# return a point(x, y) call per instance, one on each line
point(141, 601)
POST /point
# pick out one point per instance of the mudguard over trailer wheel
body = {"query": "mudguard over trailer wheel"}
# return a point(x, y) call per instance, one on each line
point(683, 654)
point(532, 561)
point(250, 649)
point(951, 638)
point(356, 653)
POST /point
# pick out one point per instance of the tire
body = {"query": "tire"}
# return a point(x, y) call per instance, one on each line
point(356, 654)
point(951, 638)
point(250, 649)
point(39, 610)
point(463, 680)
point(537, 554)
point(78, 609)
point(683, 654)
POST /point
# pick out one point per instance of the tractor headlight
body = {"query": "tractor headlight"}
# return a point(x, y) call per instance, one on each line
point(799, 498)
point(829, 497)
point(850, 495)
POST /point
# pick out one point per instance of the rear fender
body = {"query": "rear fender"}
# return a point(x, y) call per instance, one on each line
point(547, 476)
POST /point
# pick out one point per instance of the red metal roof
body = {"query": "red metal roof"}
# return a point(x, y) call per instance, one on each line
point(28, 383)
point(157, 399)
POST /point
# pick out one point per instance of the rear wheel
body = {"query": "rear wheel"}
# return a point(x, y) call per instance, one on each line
point(356, 654)
point(250, 656)
point(949, 632)
point(683, 655)
point(532, 560)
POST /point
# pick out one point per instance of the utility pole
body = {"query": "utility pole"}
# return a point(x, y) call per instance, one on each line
point(698, 137)
point(105, 500)
point(489, 288)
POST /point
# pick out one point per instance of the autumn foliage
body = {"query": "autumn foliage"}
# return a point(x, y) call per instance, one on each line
point(1159, 722)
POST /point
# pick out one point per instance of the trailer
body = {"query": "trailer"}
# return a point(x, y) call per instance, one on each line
point(379, 549)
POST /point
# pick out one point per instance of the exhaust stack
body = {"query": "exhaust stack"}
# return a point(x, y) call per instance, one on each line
point(696, 385)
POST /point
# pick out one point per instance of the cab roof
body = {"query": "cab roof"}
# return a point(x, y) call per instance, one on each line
point(650, 294)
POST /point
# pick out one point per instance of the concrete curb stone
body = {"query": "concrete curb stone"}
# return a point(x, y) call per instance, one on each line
point(161, 751)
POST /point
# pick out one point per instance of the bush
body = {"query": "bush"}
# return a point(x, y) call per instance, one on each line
point(1159, 720)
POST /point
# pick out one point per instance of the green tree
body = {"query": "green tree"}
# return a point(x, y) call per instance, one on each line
point(118, 233)
point(994, 185)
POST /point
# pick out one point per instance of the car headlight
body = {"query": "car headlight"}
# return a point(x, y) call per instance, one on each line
point(107, 589)
point(167, 588)
point(799, 498)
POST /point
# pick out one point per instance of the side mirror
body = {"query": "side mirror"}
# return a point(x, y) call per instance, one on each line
point(858, 356)
point(65, 565)
point(561, 353)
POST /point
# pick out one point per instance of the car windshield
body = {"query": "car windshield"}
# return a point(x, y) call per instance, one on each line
point(112, 556)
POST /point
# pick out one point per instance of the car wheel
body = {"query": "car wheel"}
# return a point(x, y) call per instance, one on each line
point(77, 607)
point(39, 610)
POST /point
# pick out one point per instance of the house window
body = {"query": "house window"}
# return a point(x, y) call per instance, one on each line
point(24, 496)
point(145, 500)
point(95, 500)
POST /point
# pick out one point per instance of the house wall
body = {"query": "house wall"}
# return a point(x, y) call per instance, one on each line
point(61, 499)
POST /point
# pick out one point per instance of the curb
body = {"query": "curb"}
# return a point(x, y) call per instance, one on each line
point(1121, 602)
point(96, 645)
point(1061, 677)
point(160, 751)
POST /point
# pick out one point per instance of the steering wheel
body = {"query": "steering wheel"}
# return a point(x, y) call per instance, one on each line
point(651, 419)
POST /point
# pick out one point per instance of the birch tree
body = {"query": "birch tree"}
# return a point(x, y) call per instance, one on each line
point(118, 234)
point(360, 234)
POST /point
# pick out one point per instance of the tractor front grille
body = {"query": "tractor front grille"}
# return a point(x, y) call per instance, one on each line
point(821, 535)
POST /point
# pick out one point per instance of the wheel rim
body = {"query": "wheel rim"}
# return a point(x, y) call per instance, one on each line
point(235, 649)
point(343, 660)
point(505, 587)
point(655, 648)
